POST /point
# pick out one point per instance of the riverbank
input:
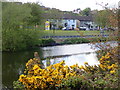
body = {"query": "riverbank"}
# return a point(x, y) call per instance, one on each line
point(18, 40)
point(78, 40)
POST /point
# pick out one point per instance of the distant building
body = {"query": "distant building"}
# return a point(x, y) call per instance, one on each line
point(71, 22)
point(77, 11)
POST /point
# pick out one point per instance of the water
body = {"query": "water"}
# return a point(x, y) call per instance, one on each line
point(72, 54)
point(13, 64)
point(75, 59)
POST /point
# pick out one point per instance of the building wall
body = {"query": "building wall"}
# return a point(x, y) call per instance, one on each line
point(88, 25)
point(71, 23)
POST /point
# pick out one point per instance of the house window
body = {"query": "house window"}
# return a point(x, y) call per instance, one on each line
point(73, 21)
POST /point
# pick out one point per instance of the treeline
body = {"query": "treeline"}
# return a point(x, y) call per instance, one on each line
point(19, 22)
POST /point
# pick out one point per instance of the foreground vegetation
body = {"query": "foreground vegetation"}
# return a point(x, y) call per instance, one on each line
point(61, 76)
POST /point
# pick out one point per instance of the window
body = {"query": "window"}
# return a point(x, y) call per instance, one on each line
point(73, 21)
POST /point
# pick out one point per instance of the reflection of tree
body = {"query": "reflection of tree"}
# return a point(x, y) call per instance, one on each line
point(13, 64)
point(11, 71)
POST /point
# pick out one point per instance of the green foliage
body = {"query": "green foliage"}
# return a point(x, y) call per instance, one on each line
point(53, 13)
point(75, 83)
point(104, 80)
point(14, 15)
point(36, 13)
point(101, 18)
point(86, 12)
point(18, 85)
point(46, 42)
point(75, 41)
point(16, 18)
point(14, 40)
point(102, 39)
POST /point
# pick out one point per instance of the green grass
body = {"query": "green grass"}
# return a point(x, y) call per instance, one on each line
point(70, 33)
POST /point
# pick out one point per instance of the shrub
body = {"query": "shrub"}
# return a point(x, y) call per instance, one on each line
point(102, 39)
point(14, 40)
point(50, 77)
point(75, 41)
point(76, 83)
point(46, 42)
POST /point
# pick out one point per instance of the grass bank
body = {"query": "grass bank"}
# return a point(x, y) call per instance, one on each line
point(70, 33)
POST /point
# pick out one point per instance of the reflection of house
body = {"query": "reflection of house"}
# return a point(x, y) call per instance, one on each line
point(71, 22)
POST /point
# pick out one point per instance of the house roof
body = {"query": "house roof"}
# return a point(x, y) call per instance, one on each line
point(68, 16)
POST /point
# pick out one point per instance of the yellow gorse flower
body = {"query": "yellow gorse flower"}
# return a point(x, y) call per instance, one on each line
point(36, 67)
point(112, 72)
point(53, 75)
point(39, 78)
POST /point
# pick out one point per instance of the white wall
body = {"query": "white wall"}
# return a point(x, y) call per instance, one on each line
point(70, 22)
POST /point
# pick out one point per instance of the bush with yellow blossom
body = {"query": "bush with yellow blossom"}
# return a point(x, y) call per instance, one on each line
point(50, 77)
point(59, 76)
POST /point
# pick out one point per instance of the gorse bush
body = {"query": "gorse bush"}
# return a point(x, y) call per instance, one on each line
point(61, 76)
point(76, 83)
point(50, 77)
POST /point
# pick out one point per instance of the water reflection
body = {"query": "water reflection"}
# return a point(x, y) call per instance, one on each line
point(13, 64)
point(67, 50)
point(79, 59)
point(72, 54)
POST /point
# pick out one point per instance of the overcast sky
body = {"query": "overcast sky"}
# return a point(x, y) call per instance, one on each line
point(70, 5)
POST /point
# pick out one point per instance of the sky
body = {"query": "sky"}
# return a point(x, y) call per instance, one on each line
point(70, 5)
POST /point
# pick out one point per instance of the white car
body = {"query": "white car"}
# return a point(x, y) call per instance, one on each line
point(83, 28)
point(64, 28)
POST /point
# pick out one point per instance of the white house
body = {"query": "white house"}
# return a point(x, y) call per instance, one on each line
point(70, 22)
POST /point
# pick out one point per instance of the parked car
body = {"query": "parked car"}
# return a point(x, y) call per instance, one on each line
point(82, 28)
point(64, 28)
point(112, 29)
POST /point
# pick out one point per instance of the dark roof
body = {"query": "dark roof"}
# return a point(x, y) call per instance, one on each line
point(68, 16)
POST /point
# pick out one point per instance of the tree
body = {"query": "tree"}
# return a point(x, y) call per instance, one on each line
point(36, 13)
point(86, 12)
point(101, 18)
point(108, 17)
point(14, 15)
point(113, 17)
